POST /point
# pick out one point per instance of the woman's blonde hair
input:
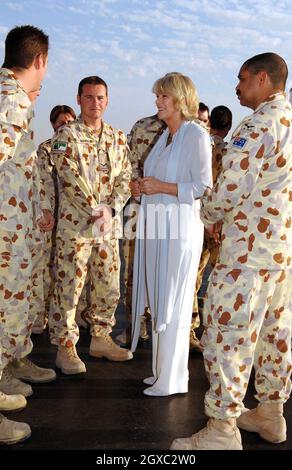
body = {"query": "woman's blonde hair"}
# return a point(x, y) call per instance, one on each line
point(183, 92)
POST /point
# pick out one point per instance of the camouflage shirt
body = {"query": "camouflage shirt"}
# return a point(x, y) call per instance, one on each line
point(18, 178)
point(218, 146)
point(47, 172)
point(253, 194)
point(142, 138)
point(93, 168)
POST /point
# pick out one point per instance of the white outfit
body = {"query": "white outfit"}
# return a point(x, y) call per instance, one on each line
point(167, 251)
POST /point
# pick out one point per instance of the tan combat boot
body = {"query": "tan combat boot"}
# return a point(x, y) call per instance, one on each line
point(217, 435)
point(24, 369)
point(12, 386)
point(267, 420)
point(104, 346)
point(12, 402)
point(69, 362)
point(12, 432)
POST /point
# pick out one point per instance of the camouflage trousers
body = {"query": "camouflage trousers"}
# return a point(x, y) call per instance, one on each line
point(247, 319)
point(38, 259)
point(74, 257)
point(128, 254)
point(42, 276)
point(49, 260)
point(202, 266)
point(15, 289)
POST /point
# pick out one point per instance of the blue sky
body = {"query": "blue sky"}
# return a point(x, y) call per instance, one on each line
point(131, 43)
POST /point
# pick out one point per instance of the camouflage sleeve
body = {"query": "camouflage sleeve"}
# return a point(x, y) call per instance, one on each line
point(66, 159)
point(45, 174)
point(39, 196)
point(10, 136)
point(217, 156)
point(134, 154)
point(121, 191)
point(242, 165)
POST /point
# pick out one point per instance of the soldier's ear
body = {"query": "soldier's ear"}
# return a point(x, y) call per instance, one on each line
point(263, 77)
point(78, 99)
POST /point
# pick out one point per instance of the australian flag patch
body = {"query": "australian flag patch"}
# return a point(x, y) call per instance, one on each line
point(239, 142)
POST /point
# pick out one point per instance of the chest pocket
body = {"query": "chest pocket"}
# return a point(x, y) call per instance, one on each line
point(115, 162)
point(104, 162)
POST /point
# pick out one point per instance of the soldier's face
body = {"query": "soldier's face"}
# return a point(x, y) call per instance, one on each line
point(204, 117)
point(166, 107)
point(93, 101)
point(248, 88)
point(62, 119)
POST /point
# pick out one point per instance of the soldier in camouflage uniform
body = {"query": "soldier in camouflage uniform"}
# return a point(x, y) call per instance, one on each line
point(203, 120)
point(43, 255)
point(220, 125)
point(94, 172)
point(26, 51)
point(247, 313)
point(220, 122)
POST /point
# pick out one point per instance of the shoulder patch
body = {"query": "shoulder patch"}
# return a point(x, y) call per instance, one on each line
point(60, 146)
point(239, 142)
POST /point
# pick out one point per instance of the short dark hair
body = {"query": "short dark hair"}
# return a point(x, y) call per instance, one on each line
point(60, 109)
point(23, 44)
point(220, 118)
point(203, 107)
point(94, 80)
point(272, 63)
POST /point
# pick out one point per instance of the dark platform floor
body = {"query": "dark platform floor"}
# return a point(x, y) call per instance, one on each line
point(105, 409)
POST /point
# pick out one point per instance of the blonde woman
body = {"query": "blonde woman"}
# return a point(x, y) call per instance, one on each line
point(170, 233)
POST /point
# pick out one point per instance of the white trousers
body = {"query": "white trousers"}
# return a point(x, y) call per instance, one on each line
point(170, 359)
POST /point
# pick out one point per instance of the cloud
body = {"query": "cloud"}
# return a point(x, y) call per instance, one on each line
point(130, 43)
point(3, 29)
point(15, 6)
point(136, 32)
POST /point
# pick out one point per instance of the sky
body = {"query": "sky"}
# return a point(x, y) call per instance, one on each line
point(131, 43)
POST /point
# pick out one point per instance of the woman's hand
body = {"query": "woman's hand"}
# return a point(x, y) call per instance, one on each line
point(150, 185)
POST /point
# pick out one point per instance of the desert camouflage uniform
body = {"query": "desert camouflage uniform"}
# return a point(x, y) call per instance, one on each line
point(210, 249)
point(218, 150)
point(19, 187)
point(141, 140)
point(247, 313)
point(204, 259)
point(43, 255)
point(92, 169)
point(42, 260)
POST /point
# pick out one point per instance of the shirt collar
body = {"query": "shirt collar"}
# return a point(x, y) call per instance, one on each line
point(274, 97)
point(106, 128)
point(9, 74)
